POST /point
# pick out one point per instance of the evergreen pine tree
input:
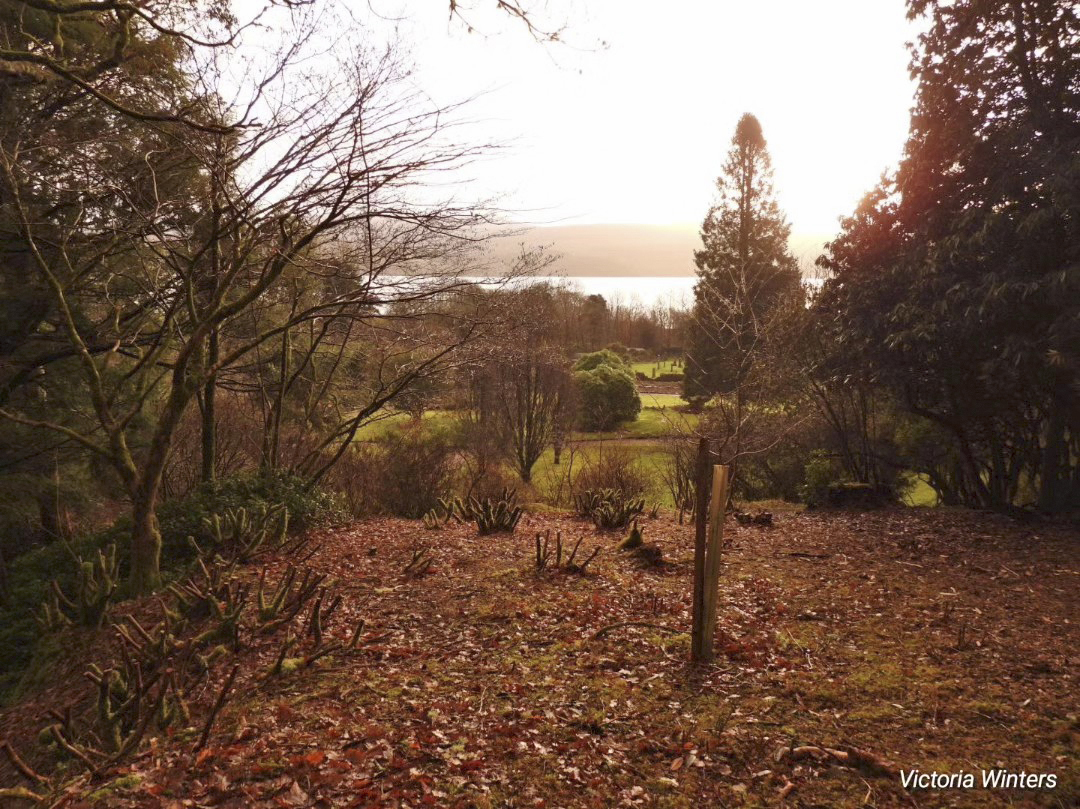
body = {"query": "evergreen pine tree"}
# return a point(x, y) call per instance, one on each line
point(745, 270)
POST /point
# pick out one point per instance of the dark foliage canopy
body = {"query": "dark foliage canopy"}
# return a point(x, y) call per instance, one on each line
point(956, 282)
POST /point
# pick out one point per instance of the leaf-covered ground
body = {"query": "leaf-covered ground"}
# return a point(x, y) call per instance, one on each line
point(930, 639)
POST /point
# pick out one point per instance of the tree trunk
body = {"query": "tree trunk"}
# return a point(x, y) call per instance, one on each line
point(49, 515)
point(1051, 484)
point(209, 422)
point(5, 592)
point(272, 439)
point(145, 542)
point(734, 462)
point(701, 507)
point(145, 488)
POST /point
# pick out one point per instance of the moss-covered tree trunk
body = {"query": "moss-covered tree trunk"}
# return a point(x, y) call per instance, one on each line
point(145, 574)
point(209, 415)
point(145, 487)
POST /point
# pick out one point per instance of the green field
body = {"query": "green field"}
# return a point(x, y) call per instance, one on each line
point(373, 430)
point(658, 419)
point(650, 457)
point(643, 438)
point(661, 400)
point(921, 494)
point(652, 368)
point(655, 422)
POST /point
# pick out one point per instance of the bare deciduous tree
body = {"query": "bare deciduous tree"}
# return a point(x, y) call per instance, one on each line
point(523, 389)
point(162, 285)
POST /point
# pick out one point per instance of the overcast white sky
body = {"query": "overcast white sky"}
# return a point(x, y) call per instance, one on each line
point(636, 131)
point(629, 122)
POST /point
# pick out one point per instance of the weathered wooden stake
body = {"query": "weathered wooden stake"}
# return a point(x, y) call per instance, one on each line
point(717, 509)
point(701, 479)
point(708, 540)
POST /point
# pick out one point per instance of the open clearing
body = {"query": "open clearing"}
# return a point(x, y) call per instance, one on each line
point(933, 639)
point(653, 368)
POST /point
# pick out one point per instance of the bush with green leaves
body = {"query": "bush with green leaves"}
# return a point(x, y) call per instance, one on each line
point(775, 441)
point(97, 579)
point(607, 396)
point(242, 534)
point(192, 516)
point(30, 582)
point(492, 514)
point(494, 517)
point(594, 359)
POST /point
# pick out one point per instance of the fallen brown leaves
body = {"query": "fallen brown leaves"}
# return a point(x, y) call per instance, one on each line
point(851, 646)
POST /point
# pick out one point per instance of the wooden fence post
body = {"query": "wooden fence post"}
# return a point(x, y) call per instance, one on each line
point(708, 540)
point(717, 508)
point(701, 480)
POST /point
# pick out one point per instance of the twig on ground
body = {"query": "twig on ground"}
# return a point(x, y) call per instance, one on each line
point(58, 735)
point(20, 765)
point(21, 793)
point(216, 709)
point(848, 756)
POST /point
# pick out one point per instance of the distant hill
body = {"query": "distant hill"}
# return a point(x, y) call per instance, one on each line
point(627, 250)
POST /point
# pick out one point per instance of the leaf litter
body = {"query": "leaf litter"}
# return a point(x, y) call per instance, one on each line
point(849, 646)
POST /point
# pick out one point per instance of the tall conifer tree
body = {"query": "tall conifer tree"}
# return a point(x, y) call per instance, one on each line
point(745, 269)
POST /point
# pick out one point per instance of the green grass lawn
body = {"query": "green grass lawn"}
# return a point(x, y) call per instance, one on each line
point(650, 457)
point(661, 400)
point(655, 422)
point(433, 419)
point(921, 494)
point(642, 438)
point(658, 419)
point(662, 367)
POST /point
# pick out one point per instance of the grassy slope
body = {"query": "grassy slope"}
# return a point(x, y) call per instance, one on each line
point(436, 419)
point(932, 638)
